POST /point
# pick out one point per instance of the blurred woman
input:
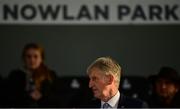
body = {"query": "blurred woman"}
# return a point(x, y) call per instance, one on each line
point(32, 85)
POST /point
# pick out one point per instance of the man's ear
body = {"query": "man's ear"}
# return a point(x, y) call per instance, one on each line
point(109, 79)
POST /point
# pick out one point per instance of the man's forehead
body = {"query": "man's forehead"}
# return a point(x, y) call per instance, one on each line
point(94, 71)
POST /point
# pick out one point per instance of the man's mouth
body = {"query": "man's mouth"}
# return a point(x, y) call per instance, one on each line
point(94, 90)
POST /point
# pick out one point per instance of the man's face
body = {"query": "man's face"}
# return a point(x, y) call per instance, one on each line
point(165, 88)
point(32, 59)
point(97, 83)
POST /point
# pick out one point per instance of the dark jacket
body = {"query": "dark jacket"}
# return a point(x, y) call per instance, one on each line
point(124, 102)
point(17, 96)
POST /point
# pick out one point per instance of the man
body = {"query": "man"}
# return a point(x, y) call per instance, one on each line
point(165, 89)
point(104, 74)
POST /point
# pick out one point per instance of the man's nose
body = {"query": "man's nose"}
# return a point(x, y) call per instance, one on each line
point(90, 83)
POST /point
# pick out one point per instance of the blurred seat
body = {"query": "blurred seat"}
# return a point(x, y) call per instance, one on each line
point(135, 86)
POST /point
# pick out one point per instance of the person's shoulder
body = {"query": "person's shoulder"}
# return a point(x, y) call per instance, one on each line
point(53, 75)
point(16, 70)
point(128, 102)
point(53, 72)
point(15, 73)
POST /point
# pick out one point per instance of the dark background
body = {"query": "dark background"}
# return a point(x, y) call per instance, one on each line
point(140, 49)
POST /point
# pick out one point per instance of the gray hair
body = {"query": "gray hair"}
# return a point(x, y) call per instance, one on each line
point(108, 66)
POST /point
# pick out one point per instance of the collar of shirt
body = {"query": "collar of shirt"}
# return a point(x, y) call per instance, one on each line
point(113, 102)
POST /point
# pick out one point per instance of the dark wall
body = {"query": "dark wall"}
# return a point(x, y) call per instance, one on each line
point(141, 50)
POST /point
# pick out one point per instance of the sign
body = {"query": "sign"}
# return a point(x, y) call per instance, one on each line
point(89, 12)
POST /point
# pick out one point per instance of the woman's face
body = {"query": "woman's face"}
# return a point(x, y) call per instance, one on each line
point(32, 58)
